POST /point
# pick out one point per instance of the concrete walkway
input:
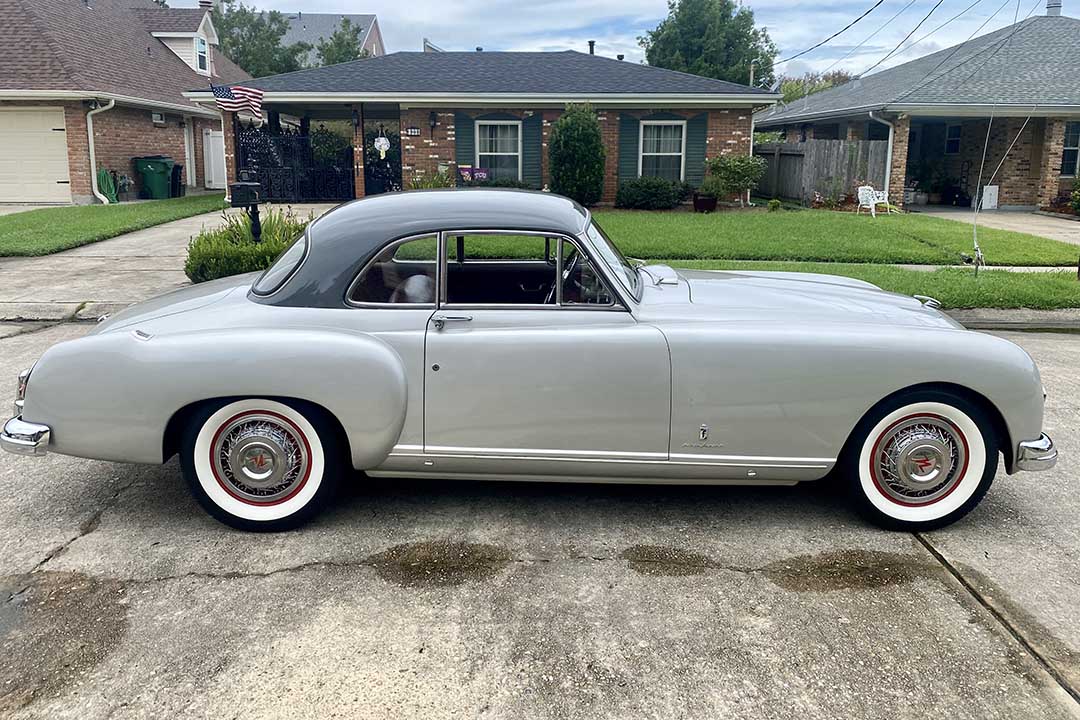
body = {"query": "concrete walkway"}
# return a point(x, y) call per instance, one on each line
point(106, 276)
point(1054, 228)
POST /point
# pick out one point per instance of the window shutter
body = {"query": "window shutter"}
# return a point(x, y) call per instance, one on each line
point(464, 139)
point(531, 150)
point(696, 130)
point(628, 147)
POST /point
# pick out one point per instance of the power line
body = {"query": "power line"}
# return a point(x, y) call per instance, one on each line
point(954, 17)
point(835, 34)
point(906, 38)
point(870, 37)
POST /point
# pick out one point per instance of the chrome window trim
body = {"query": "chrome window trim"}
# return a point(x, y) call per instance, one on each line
point(605, 270)
point(306, 237)
point(396, 306)
point(582, 245)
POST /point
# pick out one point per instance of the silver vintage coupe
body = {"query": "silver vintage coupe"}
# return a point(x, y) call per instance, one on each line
point(502, 335)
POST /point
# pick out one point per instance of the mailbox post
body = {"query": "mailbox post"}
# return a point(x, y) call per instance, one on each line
point(246, 194)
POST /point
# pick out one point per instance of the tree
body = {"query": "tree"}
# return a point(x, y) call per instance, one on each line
point(252, 39)
point(714, 38)
point(344, 45)
point(576, 155)
point(794, 88)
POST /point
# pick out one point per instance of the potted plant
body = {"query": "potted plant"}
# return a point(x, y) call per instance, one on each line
point(705, 197)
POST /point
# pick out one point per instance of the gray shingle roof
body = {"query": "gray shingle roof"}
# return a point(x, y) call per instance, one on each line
point(1039, 65)
point(566, 72)
point(101, 47)
point(170, 19)
point(312, 27)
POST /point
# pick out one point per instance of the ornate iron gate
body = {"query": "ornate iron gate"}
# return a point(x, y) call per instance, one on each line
point(293, 168)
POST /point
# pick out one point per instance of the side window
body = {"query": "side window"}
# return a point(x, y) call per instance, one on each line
point(403, 273)
point(581, 283)
point(500, 269)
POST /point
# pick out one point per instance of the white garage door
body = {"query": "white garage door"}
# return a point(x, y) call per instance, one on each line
point(33, 156)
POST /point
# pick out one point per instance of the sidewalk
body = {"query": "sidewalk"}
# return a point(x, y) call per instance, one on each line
point(1054, 228)
point(95, 279)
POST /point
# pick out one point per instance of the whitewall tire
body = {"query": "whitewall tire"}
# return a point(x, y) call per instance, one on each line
point(260, 464)
point(921, 460)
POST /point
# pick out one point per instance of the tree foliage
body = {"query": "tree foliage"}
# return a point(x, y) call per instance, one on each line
point(343, 45)
point(252, 39)
point(713, 38)
point(576, 155)
point(794, 88)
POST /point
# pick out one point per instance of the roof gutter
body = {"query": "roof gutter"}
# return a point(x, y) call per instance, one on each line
point(90, 144)
point(92, 95)
point(888, 150)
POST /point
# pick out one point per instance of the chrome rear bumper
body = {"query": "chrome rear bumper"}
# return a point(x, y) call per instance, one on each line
point(1036, 454)
point(24, 438)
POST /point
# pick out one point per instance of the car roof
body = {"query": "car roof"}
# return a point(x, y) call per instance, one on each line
point(342, 241)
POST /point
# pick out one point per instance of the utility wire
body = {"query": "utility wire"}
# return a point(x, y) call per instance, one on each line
point(835, 34)
point(870, 37)
point(906, 38)
point(954, 17)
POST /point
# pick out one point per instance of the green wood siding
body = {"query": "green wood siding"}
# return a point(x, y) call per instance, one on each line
point(696, 129)
point(628, 147)
point(532, 150)
point(464, 139)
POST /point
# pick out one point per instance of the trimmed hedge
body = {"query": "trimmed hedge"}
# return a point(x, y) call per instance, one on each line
point(231, 250)
point(576, 155)
point(649, 193)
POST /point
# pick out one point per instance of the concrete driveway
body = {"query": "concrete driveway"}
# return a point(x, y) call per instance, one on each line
point(1054, 228)
point(122, 599)
point(106, 276)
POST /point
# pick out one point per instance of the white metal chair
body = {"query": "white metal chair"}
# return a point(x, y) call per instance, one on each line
point(870, 198)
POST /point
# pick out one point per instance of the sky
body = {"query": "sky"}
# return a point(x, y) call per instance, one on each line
point(794, 25)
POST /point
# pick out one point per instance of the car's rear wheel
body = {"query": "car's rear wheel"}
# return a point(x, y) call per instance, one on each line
point(921, 460)
point(259, 464)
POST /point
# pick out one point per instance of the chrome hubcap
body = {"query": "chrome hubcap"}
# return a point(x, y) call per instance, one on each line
point(260, 457)
point(919, 460)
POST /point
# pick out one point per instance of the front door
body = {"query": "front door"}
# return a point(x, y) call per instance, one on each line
point(532, 359)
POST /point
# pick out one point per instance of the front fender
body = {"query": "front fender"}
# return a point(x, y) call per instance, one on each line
point(110, 396)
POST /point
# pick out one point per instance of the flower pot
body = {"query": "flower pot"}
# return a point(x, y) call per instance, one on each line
point(704, 203)
point(934, 198)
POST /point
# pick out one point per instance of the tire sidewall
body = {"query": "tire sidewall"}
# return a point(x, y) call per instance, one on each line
point(976, 432)
point(212, 495)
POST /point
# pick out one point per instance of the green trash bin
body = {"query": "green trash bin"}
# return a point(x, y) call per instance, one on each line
point(156, 171)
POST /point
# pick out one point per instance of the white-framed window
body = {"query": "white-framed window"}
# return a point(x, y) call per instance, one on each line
point(202, 54)
point(662, 149)
point(1070, 157)
point(952, 139)
point(498, 148)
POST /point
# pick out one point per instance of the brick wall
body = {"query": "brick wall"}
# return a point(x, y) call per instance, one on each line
point(421, 155)
point(1051, 184)
point(898, 172)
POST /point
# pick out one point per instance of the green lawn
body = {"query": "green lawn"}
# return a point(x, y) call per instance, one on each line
point(823, 236)
point(954, 287)
point(49, 230)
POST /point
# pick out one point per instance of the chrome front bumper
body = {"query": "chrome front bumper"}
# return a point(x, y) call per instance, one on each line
point(24, 438)
point(1036, 454)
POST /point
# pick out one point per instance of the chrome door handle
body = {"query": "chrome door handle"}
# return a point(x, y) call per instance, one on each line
point(439, 321)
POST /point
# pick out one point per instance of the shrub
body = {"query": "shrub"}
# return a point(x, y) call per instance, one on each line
point(1074, 199)
point(685, 191)
point(434, 180)
point(712, 187)
point(499, 183)
point(231, 250)
point(736, 173)
point(774, 205)
point(576, 155)
point(647, 193)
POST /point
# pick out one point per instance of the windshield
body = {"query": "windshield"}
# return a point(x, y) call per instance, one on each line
point(282, 269)
point(616, 262)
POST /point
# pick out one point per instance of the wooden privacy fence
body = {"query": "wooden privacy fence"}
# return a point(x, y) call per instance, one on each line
point(831, 167)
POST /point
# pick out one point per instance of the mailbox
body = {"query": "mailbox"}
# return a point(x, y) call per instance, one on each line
point(244, 194)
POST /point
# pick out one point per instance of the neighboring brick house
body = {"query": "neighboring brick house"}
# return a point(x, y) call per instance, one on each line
point(123, 63)
point(940, 105)
point(494, 110)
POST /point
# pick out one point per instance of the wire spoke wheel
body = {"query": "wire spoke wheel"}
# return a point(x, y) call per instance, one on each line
point(260, 457)
point(919, 459)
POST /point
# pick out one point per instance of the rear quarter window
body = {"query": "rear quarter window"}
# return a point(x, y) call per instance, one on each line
point(283, 268)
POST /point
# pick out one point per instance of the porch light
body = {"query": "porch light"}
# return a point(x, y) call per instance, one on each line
point(433, 120)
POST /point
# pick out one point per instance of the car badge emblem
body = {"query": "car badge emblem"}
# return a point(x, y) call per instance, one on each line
point(704, 435)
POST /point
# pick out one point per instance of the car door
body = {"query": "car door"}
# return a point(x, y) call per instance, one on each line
point(524, 364)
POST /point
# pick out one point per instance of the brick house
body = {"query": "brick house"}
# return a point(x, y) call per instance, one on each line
point(118, 66)
point(935, 112)
point(493, 111)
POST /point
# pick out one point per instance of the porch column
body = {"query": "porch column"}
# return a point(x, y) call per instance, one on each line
point(898, 171)
point(228, 132)
point(1050, 161)
point(358, 152)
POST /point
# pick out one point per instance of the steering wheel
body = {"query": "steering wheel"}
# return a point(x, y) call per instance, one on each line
point(567, 273)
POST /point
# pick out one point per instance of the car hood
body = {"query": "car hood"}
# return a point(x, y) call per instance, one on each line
point(177, 301)
point(802, 297)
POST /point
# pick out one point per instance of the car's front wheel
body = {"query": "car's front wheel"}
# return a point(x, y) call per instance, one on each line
point(921, 460)
point(259, 464)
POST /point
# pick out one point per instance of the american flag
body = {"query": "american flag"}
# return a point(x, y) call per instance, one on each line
point(238, 99)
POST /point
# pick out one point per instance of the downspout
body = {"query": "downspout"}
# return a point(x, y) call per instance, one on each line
point(90, 144)
point(888, 151)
